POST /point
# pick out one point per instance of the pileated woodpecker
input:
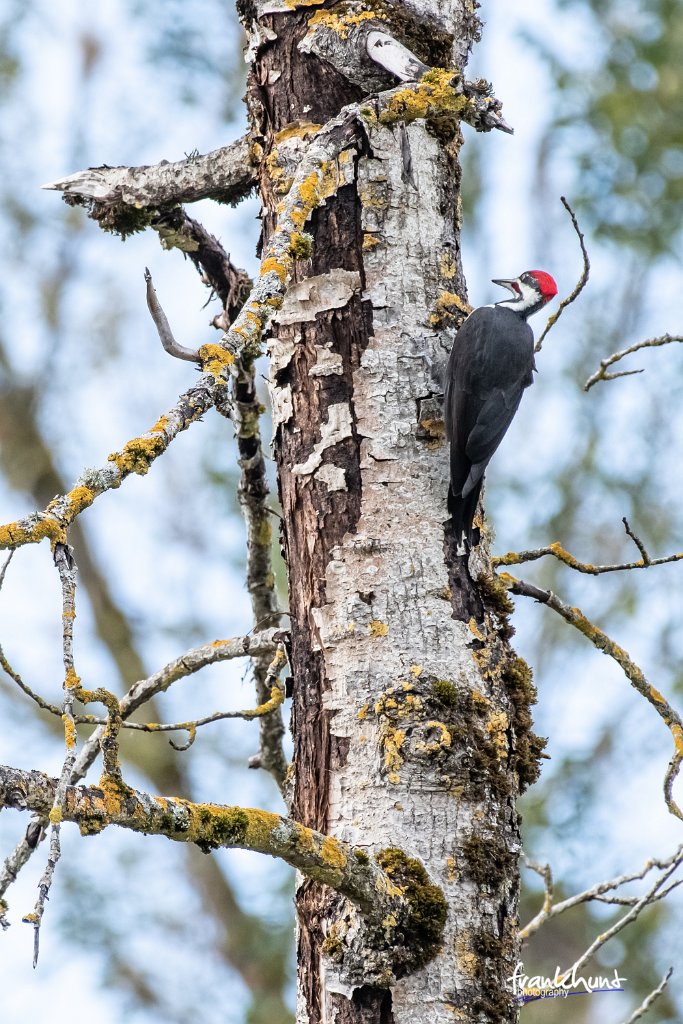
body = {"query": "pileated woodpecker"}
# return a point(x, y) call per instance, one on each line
point(490, 365)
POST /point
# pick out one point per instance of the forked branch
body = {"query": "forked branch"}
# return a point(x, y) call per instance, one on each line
point(602, 374)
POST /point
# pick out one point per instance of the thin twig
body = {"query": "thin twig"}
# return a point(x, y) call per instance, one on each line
point(638, 543)
point(544, 870)
point(581, 283)
point(5, 567)
point(163, 327)
point(601, 373)
point(575, 617)
point(25, 688)
point(256, 645)
point(647, 1003)
point(275, 700)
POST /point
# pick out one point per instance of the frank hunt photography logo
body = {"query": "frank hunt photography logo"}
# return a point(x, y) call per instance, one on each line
point(527, 988)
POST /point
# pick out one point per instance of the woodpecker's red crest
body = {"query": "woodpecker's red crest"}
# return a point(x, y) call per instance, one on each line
point(545, 282)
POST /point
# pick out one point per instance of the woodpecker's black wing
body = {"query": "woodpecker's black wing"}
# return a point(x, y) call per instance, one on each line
point(490, 365)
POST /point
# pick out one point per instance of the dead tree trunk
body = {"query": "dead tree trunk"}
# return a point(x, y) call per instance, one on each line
point(411, 712)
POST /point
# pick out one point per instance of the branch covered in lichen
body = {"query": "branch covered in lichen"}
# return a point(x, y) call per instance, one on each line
point(602, 374)
point(392, 891)
point(557, 551)
point(575, 617)
point(67, 577)
point(136, 456)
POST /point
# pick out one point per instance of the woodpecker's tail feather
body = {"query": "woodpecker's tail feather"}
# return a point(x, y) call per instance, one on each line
point(462, 512)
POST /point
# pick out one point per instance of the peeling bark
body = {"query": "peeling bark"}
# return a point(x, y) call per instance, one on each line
point(410, 717)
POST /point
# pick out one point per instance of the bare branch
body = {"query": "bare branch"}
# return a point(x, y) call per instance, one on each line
point(645, 901)
point(5, 567)
point(25, 688)
point(580, 284)
point(647, 1003)
point(558, 552)
point(275, 700)
point(227, 175)
point(639, 544)
point(163, 328)
point(20, 856)
point(596, 892)
point(546, 910)
point(601, 374)
point(575, 617)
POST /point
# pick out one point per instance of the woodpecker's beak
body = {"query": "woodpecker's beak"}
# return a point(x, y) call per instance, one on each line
point(512, 286)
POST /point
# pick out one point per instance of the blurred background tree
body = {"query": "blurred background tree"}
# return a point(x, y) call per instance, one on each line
point(593, 88)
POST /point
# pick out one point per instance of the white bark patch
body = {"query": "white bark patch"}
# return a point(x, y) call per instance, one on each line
point(258, 37)
point(327, 362)
point(337, 428)
point(280, 351)
point(333, 476)
point(281, 403)
point(306, 299)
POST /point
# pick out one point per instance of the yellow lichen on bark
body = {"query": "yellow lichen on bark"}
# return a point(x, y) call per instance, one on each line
point(69, 732)
point(72, 681)
point(137, 455)
point(370, 241)
point(332, 853)
point(215, 358)
point(342, 23)
point(497, 727)
point(447, 266)
point(14, 535)
point(433, 97)
point(443, 740)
